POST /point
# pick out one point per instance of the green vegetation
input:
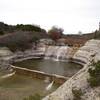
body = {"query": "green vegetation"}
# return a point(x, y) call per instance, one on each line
point(20, 37)
point(77, 93)
point(5, 28)
point(34, 97)
point(29, 27)
point(94, 72)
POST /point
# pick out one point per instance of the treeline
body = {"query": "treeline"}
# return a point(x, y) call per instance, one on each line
point(20, 37)
point(5, 28)
point(29, 27)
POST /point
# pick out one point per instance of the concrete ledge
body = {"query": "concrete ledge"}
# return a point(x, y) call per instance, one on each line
point(40, 75)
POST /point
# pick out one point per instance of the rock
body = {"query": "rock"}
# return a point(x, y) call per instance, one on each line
point(5, 57)
point(87, 53)
point(58, 52)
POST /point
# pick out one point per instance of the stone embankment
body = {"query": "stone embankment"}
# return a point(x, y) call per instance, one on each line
point(87, 53)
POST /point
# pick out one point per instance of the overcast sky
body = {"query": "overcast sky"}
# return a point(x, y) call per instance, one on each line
point(71, 15)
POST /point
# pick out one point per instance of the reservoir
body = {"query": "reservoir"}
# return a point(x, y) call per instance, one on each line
point(62, 68)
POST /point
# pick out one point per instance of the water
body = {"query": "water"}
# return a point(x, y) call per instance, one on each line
point(18, 87)
point(52, 67)
point(58, 52)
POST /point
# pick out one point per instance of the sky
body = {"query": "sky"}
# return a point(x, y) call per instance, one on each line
point(71, 15)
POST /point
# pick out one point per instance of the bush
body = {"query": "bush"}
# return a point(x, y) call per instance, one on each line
point(55, 33)
point(93, 82)
point(94, 79)
point(77, 93)
point(19, 40)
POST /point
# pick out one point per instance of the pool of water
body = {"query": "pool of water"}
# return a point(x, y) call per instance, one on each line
point(17, 87)
point(52, 67)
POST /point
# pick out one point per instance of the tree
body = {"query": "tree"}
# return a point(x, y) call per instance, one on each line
point(55, 32)
point(29, 27)
point(80, 32)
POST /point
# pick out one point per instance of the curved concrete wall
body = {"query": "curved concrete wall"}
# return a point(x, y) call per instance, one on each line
point(40, 75)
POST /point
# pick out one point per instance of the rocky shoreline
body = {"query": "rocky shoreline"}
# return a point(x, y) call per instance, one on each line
point(85, 55)
point(79, 80)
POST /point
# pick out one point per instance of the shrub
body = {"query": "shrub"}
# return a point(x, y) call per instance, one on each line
point(94, 79)
point(77, 93)
point(93, 82)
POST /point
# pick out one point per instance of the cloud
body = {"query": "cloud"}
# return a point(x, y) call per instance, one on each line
point(72, 15)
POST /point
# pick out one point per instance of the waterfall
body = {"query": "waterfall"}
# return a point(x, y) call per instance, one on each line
point(57, 52)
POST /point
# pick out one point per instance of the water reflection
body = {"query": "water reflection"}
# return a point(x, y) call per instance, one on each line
point(52, 67)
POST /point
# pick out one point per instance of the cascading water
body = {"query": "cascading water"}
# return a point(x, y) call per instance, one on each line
point(58, 52)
